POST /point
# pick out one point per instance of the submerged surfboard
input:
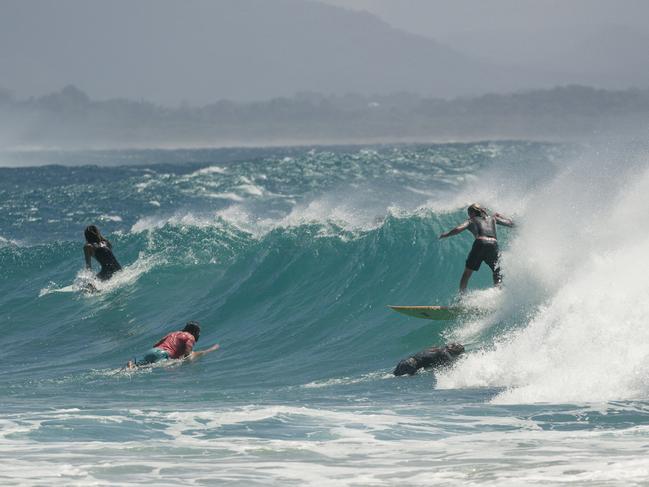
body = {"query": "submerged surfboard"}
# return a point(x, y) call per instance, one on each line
point(430, 312)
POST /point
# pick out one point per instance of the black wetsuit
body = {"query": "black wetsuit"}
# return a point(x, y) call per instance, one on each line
point(431, 357)
point(104, 255)
point(484, 249)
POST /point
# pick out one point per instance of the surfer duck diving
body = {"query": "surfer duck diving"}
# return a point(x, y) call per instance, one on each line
point(485, 246)
point(430, 358)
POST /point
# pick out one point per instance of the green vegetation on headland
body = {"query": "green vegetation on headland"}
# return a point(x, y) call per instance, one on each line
point(70, 119)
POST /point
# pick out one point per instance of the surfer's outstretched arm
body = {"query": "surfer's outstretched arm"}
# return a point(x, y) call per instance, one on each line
point(503, 220)
point(195, 354)
point(460, 228)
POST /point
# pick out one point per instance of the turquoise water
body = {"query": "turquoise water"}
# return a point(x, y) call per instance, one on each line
point(288, 257)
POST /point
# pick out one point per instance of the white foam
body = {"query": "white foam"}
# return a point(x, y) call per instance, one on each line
point(251, 189)
point(226, 196)
point(345, 447)
point(180, 219)
point(144, 185)
point(331, 209)
point(319, 211)
point(347, 380)
point(127, 276)
point(7, 242)
point(579, 260)
point(209, 170)
point(111, 218)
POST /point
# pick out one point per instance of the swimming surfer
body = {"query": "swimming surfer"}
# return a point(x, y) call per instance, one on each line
point(433, 357)
point(101, 249)
point(175, 345)
point(485, 247)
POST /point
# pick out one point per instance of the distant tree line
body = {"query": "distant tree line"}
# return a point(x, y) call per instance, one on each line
point(70, 119)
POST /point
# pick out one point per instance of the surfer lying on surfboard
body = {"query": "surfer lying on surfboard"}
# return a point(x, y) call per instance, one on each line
point(431, 357)
point(485, 247)
point(175, 345)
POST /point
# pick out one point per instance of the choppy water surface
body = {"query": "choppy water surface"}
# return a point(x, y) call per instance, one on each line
point(289, 257)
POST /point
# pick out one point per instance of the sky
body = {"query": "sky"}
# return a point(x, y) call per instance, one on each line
point(589, 36)
point(200, 51)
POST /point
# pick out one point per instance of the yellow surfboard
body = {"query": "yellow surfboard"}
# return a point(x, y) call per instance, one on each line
point(430, 312)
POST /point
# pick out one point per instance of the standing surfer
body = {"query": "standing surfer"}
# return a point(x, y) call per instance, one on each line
point(485, 247)
point(100, 248)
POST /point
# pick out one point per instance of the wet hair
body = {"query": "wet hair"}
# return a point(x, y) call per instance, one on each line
point(193, 328)
point(476, 210)
point(455, 349)
point(93, 235)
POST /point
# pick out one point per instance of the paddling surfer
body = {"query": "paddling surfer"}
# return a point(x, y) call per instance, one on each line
point(485, 247)
point(175, 345)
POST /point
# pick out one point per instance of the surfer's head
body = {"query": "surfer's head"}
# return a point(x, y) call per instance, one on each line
point(455, 349)
point(193, 328)
point(476, 210)
point(92, 234)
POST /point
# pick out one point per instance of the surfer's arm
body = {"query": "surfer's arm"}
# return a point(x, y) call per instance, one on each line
point(503, 220)
point(88, 252)
point(460, 228)
point(199, 353)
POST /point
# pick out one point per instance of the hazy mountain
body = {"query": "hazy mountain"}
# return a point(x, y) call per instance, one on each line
point(71, 119)
point(595, 42)
point(200, 51)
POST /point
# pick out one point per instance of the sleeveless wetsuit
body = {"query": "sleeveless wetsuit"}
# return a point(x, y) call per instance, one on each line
point(485, 246)
point(106, 259)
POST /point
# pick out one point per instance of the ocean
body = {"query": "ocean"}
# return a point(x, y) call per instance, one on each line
point(289, 257)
